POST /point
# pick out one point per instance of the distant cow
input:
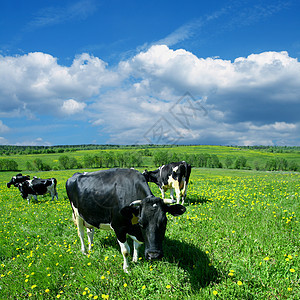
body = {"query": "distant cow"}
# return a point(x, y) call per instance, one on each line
point(15, 180)
point(120, 199)
point(37, 186)
point(171, 176)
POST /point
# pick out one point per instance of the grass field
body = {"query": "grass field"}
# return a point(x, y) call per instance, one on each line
point(239, 239)
point(258, 156)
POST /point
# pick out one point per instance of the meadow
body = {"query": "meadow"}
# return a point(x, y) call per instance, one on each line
point(239, 239)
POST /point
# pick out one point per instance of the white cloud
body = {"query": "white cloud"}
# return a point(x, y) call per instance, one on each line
point(71, 107)
point(3, 127)
point(36, 83)
point(252, 99)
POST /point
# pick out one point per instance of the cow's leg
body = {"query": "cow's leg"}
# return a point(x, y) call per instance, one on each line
point(184, 192)
point(90, 234)
point(125, 250)
point(30, 196)
point(177, 191)
point(80, 230)
point(136, 245)
point(172, 193)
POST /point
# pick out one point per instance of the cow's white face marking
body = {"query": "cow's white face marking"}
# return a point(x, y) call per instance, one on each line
point(175, 169)
point(154, 205)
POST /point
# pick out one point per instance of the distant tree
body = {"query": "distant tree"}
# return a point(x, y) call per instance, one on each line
point(64, 161)
point(240, 163)
point(228, 162)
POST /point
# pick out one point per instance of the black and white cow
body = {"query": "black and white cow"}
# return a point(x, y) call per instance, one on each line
point(37, 186)
point(121, 200)
point(171, 176)
point(15, 180)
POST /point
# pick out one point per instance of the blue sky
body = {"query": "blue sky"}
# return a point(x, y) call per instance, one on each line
point(134, 72)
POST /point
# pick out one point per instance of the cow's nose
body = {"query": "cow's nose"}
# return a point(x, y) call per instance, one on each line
point(154, 254)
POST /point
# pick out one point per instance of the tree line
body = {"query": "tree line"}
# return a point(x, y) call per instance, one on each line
point(145, 157)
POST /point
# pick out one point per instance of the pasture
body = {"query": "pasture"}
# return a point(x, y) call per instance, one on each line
point(239, 239)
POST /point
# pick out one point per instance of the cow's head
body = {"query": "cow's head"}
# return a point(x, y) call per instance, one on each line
point(152, 220)
point(15, 180)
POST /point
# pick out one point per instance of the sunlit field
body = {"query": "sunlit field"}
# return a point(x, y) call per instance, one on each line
point(239, 239)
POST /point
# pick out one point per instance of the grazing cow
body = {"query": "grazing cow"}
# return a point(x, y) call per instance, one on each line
point(121, 200)
point(171, 176)
point(19, 178)
point(37, 186)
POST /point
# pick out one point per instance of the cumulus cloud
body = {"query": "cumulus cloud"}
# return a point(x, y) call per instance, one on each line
point(71, 107)
point(36, 83)
point(3, 127)
point(250, 100)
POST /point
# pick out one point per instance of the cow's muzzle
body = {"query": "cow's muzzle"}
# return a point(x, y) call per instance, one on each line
point(153, 254)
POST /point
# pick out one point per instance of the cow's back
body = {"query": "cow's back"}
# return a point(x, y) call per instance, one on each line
point(100, 195)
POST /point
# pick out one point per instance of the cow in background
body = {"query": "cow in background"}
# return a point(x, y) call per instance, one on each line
point(15, 180)
point(171, 176)
point(37, 186)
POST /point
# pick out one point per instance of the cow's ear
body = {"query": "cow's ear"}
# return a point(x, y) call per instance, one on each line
point(129, 211)
point(175, 209)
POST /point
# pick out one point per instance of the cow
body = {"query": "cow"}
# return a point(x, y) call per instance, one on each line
point(37, 186)
point(171, 176)
point(121, 200)
point(15, 180)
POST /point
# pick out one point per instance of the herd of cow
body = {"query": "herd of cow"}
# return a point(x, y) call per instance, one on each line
point(121, 200)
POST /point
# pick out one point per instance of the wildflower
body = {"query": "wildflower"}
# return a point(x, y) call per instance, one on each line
point(168, 286)
point(143, 287)
point(89, 264)
point(290, 289)
point(230, 274)
point(95, 297)
point(239, 283)
point(266, 258)
point(106, 258)
point(47, 290)
point(215, 293)
point(84, 293)
point(33, 286)
point(292, 270)
point(102, 277)
point(125, 284)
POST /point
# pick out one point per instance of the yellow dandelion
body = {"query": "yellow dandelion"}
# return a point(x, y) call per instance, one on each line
point(266, 258)
point(95, 297)
point(125, 284)
point(168, 286)
point(47, 290)
point(84, 293)
point(215, 293)
point(239, 283)
point(143, 287)
point(230, 274)
point(292, 270)
point(102, 277)
point(290, 289)
point(33, 286)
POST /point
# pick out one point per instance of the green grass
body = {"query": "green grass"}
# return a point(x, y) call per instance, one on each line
point(258, 156)
point(239, 239)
